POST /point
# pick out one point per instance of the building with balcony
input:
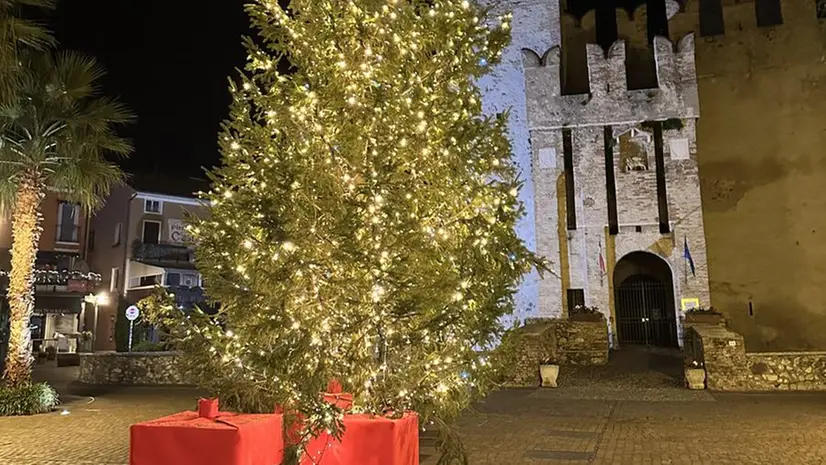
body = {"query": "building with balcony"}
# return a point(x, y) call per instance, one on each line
point(138, 241)
point(62, 277)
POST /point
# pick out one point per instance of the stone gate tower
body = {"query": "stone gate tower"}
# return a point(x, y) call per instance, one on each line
point(614, 178)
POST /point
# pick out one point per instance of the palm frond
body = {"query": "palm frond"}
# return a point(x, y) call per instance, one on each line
point(76, 74)
point(60, 129)
point(9, 174)
point(30, 33)
point(87, 180)
point(98, 114)
point(13, 4)
point(17, 33)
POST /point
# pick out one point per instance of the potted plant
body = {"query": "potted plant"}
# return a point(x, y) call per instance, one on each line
point(695, 374)
point(51, 352)
point(585, 313)
point(700, 315)
point(85, 342)
point(548, 372)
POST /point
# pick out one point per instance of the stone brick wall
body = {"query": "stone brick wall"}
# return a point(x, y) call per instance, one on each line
point(149, 368)
point(611, 103)
point(535, 26)
point(795, 371)
point(581, 343)
point(769, 212)
point(730, 368)
point(563, 342)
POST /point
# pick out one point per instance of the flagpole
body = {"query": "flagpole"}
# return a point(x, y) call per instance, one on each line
point(685, 262)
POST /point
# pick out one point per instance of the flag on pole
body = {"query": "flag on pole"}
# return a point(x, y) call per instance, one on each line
point(602, 269)
point(687, 256)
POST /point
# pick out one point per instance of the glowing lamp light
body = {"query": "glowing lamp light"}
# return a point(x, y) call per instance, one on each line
point(99, 299)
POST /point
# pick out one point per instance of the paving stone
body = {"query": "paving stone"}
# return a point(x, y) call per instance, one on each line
point(547, 427)
point(557, 455)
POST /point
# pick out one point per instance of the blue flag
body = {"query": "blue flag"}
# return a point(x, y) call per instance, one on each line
point(687, 256)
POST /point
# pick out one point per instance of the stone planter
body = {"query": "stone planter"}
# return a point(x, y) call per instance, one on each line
point(703, 318)
point(84, 346)
point(695, 378)
point(548, 373)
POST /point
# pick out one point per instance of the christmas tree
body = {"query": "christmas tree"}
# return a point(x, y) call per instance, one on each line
point(362, 221)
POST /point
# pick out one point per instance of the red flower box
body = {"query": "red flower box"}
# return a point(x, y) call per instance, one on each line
point(218, 438)
point(368, 440)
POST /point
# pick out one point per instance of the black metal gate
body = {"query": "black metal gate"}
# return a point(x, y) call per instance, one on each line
point(645, 312)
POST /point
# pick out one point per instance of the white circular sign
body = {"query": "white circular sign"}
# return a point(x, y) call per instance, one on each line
point(132, 313)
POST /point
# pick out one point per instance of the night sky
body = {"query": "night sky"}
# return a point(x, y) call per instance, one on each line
point(169, 61)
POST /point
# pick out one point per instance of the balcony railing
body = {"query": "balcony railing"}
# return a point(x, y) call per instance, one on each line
point(166, 254)
point(68, 234)
point(188, 297)
point(65, 281)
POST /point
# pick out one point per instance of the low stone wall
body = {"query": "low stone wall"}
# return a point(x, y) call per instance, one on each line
point(795, 371)
point(730, 368)
point(136, 368)
point(581, 343)
point(561, 341)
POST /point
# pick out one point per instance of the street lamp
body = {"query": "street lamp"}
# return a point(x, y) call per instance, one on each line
point(100, 299)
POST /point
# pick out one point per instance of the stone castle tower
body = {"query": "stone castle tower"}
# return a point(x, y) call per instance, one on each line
point(614, 189)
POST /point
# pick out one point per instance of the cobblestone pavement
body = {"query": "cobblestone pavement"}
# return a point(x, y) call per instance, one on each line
point(596, 423)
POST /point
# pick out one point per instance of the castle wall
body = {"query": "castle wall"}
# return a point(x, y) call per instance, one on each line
point(763, 168)
point(758, 145)
point(535, 26)
point(611, 103)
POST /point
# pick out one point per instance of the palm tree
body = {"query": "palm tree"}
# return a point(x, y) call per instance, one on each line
point(54, 134)
point(16, 31)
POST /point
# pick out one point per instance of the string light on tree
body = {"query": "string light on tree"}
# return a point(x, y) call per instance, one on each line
point(362, 224)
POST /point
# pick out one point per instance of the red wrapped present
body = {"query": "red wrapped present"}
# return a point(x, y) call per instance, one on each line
point(187, 438)
point(208, 408)
point(333, 396)
point(368, 440)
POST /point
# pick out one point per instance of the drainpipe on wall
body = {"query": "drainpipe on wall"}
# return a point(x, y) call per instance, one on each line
point(126, 245)
point(85, 245)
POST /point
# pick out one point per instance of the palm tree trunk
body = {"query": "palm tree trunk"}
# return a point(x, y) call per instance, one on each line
point(25, 238)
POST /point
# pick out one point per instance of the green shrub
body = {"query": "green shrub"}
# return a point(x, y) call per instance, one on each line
point(148, 346)
point(27, 400)
point(704, 311)
point(122, 327)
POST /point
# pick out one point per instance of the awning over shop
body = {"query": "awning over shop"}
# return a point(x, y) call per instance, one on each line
point(138, 269)
point(58, 304)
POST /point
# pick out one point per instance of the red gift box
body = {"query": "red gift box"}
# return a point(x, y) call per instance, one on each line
point(187, 438)
point(343, 401)
point(208, 408)
point(333, 396)
point(368, 440)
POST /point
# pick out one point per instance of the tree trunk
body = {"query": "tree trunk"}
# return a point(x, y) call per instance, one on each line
point(25, 238)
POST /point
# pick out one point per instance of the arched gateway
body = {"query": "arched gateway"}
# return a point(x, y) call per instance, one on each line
point(644, 301)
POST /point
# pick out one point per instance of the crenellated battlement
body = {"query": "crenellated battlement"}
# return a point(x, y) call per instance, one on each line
point(740, 19)
point(609, 100)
